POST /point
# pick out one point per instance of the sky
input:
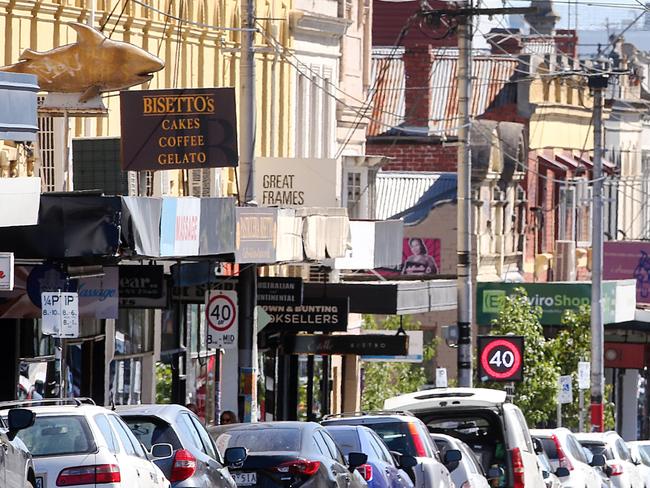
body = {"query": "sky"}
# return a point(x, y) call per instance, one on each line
point(592, 14)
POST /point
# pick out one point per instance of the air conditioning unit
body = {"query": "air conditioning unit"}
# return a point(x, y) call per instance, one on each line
point(564, 266)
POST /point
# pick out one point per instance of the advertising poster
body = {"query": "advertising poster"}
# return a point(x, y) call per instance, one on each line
point(420, 257)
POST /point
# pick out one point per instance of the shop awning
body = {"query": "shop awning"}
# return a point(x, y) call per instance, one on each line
point(390, 297)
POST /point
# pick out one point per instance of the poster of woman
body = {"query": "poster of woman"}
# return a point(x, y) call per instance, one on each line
point(420, 256)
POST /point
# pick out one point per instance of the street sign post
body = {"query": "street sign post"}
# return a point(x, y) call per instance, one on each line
point(221, 315)
point(564, 395)
point(60, 314)
point(501, 358)
point(441, 378)
point(584, 383)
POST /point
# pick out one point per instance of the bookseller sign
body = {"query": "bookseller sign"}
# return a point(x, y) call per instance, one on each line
point(178, 129)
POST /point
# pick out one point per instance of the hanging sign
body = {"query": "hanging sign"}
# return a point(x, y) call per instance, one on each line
point(60, 314)
point(565, 393)
point(500, 358)
point(584, 375)
point(276, 290)
point(222, 319)
point(6, 271)
point(361, 345)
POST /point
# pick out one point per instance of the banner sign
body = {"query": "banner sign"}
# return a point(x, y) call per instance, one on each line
point(60, 314)
point(7, 271)
point(279, 291)
point(178, 129)
point(625, 260)
point(360, 345)
point(142, 286)
point(314, 315)
point(221, 314)
point(255, 240)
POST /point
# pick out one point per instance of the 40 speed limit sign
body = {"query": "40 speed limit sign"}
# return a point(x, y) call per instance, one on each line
point(500, 358)
point(221, 317)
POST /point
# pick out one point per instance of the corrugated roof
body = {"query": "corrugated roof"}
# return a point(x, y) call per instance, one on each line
point(490, 73)
point(389, 98)
point(398, 191)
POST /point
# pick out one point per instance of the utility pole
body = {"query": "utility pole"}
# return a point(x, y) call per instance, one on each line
point(598, 83)
point(247, 288)
point(464, 199)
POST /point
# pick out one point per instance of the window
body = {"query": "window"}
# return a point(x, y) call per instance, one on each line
point(125, 440)
point(331, 447)
point(58, 436)
point(383, 450)
point(205, 438)
point(576, 449)
point(152, 430)
point(186, 426)
point(622, 450)
point(261, 440)
point(354, 192)
point(396, 436)
point(107, 433)
point(347, 439)
point(522, 431)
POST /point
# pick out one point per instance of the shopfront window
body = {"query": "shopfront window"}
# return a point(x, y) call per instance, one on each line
point(133, 332)
point(126, 381)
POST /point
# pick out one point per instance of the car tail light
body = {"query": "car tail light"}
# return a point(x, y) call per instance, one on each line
point(417, 440)
point(615, 469)
point(518, 468)
point(366, 471)
point(300, 467)
point(184, 465)
point(89, 475)
point(564, 461)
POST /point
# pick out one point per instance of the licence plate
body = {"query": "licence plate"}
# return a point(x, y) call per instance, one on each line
point(245, 479)
point(39, 482)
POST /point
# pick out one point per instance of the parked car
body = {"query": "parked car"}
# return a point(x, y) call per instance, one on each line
point(622, 469)
point(17, 468)
point(381, 469)
point(495, 430)
point(406, 435)
point(76, 443)
point(295, 454)
point(564, 450)
point(640, 451)
point(195, 460)
point(468, 472)
point(551, 476)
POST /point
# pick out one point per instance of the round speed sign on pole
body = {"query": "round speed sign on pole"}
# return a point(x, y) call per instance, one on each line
point(221, 317)
point(500, 358)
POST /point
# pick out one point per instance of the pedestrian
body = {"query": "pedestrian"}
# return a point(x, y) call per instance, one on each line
point(228, 417)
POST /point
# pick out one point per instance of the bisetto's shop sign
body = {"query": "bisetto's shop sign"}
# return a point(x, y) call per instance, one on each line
point(178, 129)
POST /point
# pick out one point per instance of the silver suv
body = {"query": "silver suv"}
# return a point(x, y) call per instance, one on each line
point(406, 436)
point(16, 466)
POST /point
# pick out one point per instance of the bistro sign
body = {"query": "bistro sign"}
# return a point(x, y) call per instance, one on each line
point(362, 345)
point(178, 129)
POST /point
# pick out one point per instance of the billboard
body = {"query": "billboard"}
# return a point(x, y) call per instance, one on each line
point(420, 256)
point(629, 260)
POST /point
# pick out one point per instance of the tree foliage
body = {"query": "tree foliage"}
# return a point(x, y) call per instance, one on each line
point(536, 394)
point(163, 383)
point(383, 380)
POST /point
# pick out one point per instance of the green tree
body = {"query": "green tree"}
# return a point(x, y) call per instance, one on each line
point(163, 383)
point(536, 394)
point(383, 380)
point(571, 345)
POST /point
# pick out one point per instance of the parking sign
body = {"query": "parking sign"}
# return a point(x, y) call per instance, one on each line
point(60, 314)
point(222, 319)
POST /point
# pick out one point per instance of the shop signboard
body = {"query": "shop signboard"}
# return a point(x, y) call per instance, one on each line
point(277, 290)
point(553, 297)
point(360, 345)
point(256, 235)
point(180, 226)
point(142, 286)
point(221, 315)
point(415, 351)
point(297, 182)
point(629, 260)
point(60, 314)
point(6, 271)
point(313, 315)
point(186, 128)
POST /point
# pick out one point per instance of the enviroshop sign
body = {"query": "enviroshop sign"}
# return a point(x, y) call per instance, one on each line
point(554, 298)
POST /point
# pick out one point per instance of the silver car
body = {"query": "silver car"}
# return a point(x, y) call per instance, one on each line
point(16, 466)
point(195, 460)
point(468, 472)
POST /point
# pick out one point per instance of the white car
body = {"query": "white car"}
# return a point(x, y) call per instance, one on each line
point(495, 430)
point(81, 444)
point(564, 450)
point(468, 472)
point(640, 451)
point(622, 470)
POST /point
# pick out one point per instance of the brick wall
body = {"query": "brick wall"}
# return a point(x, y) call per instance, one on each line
point(415, 156)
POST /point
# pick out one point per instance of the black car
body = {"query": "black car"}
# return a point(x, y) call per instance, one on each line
point(289, 454)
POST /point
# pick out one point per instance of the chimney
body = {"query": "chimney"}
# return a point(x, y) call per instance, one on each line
point(544, 20)
point(505, 41)
point(418, 62)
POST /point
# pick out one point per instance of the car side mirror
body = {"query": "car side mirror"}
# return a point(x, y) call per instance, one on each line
point(19, 419)
point(407, 462)
point(162, 451)
point(451, 459)
point(494, 473)
point(598, 461)
point(235, 456)
point(356, 459)
point(562, 472)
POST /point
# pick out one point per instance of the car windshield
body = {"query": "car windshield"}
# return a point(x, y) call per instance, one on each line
point(644, 451)
point(396, 435)
point(58, 435)
point(261, 439)
point(347, 439)
point(152, 430)
point(598, 448)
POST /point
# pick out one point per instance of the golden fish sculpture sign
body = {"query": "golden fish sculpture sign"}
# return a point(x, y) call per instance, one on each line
point(93, 65)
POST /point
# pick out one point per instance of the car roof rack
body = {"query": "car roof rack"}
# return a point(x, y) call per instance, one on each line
point(76, 401)
point(363, 413)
